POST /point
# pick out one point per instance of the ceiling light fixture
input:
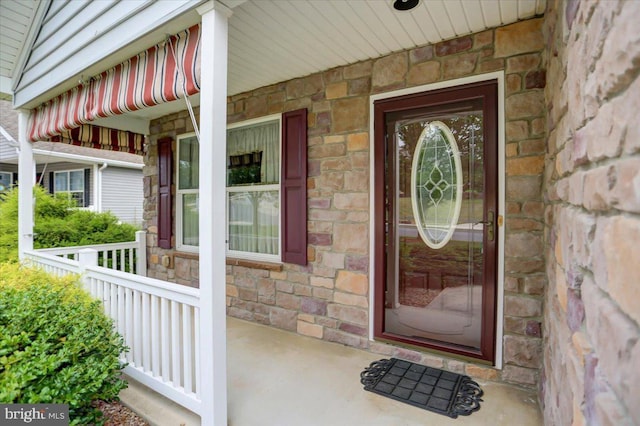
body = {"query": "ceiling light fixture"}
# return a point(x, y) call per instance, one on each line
point(405, 4)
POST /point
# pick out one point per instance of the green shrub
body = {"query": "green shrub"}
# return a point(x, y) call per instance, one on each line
point(56, 344)
point(58, 224)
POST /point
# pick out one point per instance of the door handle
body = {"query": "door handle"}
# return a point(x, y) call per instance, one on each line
point(489, 223)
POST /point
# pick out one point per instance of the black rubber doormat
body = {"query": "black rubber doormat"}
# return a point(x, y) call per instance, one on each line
point(424, 387)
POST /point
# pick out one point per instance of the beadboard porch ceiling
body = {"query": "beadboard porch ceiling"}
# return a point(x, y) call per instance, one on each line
point(271, 41)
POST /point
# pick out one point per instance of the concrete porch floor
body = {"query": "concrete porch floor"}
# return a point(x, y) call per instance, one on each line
point(282, 379)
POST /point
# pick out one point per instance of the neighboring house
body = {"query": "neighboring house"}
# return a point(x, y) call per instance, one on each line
point(456, 184)
point(98, 180)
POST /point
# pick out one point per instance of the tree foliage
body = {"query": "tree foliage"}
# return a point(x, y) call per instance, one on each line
point(57, 223)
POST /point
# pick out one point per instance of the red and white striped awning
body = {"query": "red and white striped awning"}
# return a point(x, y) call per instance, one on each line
point(162, 73)
point(102, 138)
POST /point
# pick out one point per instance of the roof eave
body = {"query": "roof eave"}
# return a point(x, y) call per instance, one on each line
point(88, 160)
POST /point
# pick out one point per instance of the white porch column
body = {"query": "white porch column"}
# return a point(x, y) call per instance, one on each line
point(213, 145)
point(96, 189)
point(26, 180)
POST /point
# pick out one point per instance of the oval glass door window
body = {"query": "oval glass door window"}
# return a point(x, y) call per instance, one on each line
point(436, 184)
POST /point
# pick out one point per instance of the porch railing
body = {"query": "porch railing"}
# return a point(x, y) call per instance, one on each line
point(128, 257)
point(158, 320)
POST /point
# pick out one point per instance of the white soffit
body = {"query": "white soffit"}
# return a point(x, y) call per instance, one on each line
point(16, 20)
point(278, 40)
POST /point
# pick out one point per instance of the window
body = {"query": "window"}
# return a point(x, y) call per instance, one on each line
point(266, 190)
point(5, 180)
point(72, 184)
point(253, 189)
point(187, 193)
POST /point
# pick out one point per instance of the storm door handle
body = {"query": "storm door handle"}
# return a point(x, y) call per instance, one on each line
point(489, 225)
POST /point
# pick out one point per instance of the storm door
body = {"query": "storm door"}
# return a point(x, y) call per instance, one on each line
point(436, 219)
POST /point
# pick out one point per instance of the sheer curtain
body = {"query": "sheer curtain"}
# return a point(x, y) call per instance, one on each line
point(254, 208)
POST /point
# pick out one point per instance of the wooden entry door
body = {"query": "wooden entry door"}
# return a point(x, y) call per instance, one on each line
point(436, 214)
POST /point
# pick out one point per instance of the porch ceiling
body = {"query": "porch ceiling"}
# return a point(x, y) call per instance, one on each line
point(16, 20)
point(278, 40)
point(274, 41)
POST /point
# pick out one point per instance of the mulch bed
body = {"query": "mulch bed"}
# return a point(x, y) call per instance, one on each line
point(116, 414)
point(418, 297)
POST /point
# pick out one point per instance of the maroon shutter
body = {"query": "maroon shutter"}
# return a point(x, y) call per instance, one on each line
point(294, 187)
point(165, 160)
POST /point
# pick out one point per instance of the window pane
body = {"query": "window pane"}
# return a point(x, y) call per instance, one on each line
point(5, 181)
point(61, 181)
point(188, 160)
point(254, 221)
point(190, 226)
point(77, 180)
point(253, 154)
point(78, 197)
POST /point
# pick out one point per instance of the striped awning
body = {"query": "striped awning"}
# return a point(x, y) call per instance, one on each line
point(162, 73)
point(102, 138)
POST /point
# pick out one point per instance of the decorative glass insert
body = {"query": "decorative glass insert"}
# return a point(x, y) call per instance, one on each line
point(436, 184)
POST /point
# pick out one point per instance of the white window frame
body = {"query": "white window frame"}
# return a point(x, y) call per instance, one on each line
point(260, 257)
point(69, 191)
point(179, 193)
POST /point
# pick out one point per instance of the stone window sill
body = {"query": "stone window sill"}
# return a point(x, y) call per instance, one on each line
point(269, 266)
point(187, 255)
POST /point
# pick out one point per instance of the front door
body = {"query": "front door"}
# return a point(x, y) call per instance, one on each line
point(436, 219)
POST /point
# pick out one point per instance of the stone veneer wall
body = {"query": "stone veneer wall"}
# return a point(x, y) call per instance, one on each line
point(592, 305)
point(329, 299)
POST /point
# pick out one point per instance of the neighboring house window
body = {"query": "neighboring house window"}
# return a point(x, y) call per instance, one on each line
point(266, 190)
point(72, 184)
point(187, 193)
point(5, 180)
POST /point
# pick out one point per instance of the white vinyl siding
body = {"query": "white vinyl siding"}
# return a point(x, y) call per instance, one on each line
point(122, 194)
point(7, 151)
point(76, 35)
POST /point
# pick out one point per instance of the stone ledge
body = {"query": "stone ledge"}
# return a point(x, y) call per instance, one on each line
point(254, 264)
point(185, 255)
point(269, 266)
